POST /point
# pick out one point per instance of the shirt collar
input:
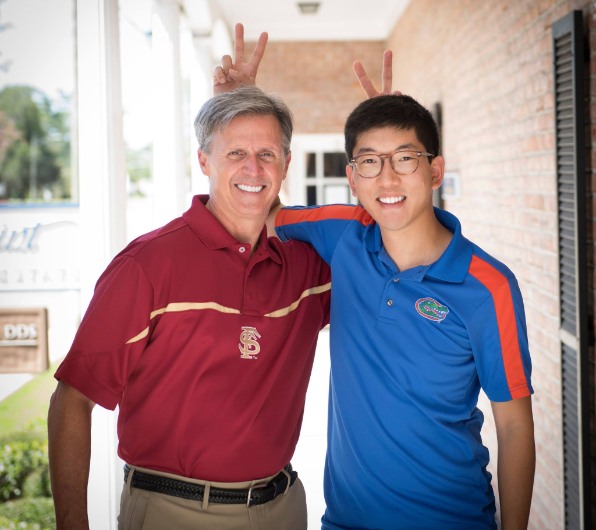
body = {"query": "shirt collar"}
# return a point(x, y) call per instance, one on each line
point(453, 264)
point(214, 236)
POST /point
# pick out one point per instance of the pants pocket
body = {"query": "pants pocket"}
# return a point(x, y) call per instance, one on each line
point(133, 508)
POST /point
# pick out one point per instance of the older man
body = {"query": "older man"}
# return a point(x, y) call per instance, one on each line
point(203, 332)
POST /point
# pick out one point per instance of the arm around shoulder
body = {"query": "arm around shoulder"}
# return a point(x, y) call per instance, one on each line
point(275, 208)
point(69, 447)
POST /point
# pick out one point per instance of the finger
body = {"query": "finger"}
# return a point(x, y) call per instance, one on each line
point(259, 51)
point(226, 63)
point(387, 72)
point(364, 80)
point(219, 76)
point(238, 43)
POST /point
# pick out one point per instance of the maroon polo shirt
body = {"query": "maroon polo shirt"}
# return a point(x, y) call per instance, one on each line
point(206, 348)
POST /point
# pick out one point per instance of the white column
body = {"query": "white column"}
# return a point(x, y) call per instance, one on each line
point(102, 173)
point(102, 181)
point(201, 89)
point(169, 186)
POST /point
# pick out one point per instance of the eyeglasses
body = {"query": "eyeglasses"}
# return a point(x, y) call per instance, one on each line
point(370, 165)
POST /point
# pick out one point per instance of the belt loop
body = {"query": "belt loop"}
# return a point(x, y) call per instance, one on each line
point(206, 493)
point(289, 480)
point(131, 472)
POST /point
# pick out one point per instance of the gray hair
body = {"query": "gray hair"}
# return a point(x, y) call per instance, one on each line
point(220, 110)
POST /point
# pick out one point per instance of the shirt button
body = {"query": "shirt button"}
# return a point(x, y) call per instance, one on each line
point(395, 280)
point(242, 249)
point(389, 302)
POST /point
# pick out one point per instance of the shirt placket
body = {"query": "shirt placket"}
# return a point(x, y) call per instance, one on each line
point(252, 294)
point(393, 300)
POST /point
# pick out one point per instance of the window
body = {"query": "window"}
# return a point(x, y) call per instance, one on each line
point(36, 101)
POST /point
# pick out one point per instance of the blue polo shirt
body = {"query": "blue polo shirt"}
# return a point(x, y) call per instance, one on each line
point(410, 351)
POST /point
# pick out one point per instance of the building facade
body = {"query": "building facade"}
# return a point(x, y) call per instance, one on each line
point(513, 87)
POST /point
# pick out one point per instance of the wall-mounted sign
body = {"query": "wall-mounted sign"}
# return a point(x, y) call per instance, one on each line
point(450, 185)
point(39, 249)
point(23, 340)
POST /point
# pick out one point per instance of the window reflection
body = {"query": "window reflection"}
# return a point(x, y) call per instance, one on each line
point(36, 101)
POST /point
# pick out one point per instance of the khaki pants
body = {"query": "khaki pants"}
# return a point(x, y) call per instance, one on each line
point(145, 510)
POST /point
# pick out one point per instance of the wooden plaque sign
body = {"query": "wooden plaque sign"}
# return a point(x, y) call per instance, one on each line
point(23, 340)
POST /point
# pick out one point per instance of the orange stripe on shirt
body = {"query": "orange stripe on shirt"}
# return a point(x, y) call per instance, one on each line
point(338, 211)
point(494, 281)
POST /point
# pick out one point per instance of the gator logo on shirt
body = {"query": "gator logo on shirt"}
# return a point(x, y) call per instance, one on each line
point(431, 309)
point(249, 343)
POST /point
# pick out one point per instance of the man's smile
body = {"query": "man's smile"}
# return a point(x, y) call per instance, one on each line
point(250, 189)
point(391, 200)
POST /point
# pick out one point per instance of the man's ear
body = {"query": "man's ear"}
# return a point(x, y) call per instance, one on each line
point(288, 159)
point(437, 169)
point(350, 175)
point(203, 161)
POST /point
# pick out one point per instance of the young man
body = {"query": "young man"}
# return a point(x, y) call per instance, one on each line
point(203, 332)
point(421, 320)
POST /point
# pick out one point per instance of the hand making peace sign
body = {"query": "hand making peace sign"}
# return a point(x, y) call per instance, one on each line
point(236, 73)
point(386, 77)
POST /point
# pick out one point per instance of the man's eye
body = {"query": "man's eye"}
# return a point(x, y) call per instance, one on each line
point(267, 155)
point(235, 155)
point(368, 160)
point(405, 157)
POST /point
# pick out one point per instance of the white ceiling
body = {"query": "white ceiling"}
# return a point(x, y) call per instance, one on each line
point(282, 19)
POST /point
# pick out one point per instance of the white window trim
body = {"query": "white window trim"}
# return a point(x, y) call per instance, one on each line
point(296, 183)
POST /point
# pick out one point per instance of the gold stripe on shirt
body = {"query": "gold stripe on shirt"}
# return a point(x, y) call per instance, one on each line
point(176, 307)
point(287, 310)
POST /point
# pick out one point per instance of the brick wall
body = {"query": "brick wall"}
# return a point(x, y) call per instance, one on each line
point(316, 80)
point(489, 65)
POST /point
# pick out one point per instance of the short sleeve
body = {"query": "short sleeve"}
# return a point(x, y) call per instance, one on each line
point(112, 334)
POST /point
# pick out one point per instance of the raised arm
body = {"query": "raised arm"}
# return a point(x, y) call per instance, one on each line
point(386, 77)
point(516, 460)
point(69, 439)
point(234, 73)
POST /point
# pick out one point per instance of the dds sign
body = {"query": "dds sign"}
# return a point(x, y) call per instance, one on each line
point(23, 340)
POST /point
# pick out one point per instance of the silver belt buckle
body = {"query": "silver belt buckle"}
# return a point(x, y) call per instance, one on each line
point(254, 487)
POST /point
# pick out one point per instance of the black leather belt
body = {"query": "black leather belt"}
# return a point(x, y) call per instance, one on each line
point(258, 494)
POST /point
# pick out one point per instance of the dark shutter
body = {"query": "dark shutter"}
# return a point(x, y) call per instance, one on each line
point(570, 110)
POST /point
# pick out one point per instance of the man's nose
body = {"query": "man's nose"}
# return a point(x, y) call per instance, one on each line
point(252, 163)
point(387, 173)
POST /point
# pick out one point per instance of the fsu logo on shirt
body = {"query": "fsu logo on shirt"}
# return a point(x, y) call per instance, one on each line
point(431, 309)
point(249, 343)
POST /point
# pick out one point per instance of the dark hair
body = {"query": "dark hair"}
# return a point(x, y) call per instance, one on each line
point(399, 112)
point(219, 111)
